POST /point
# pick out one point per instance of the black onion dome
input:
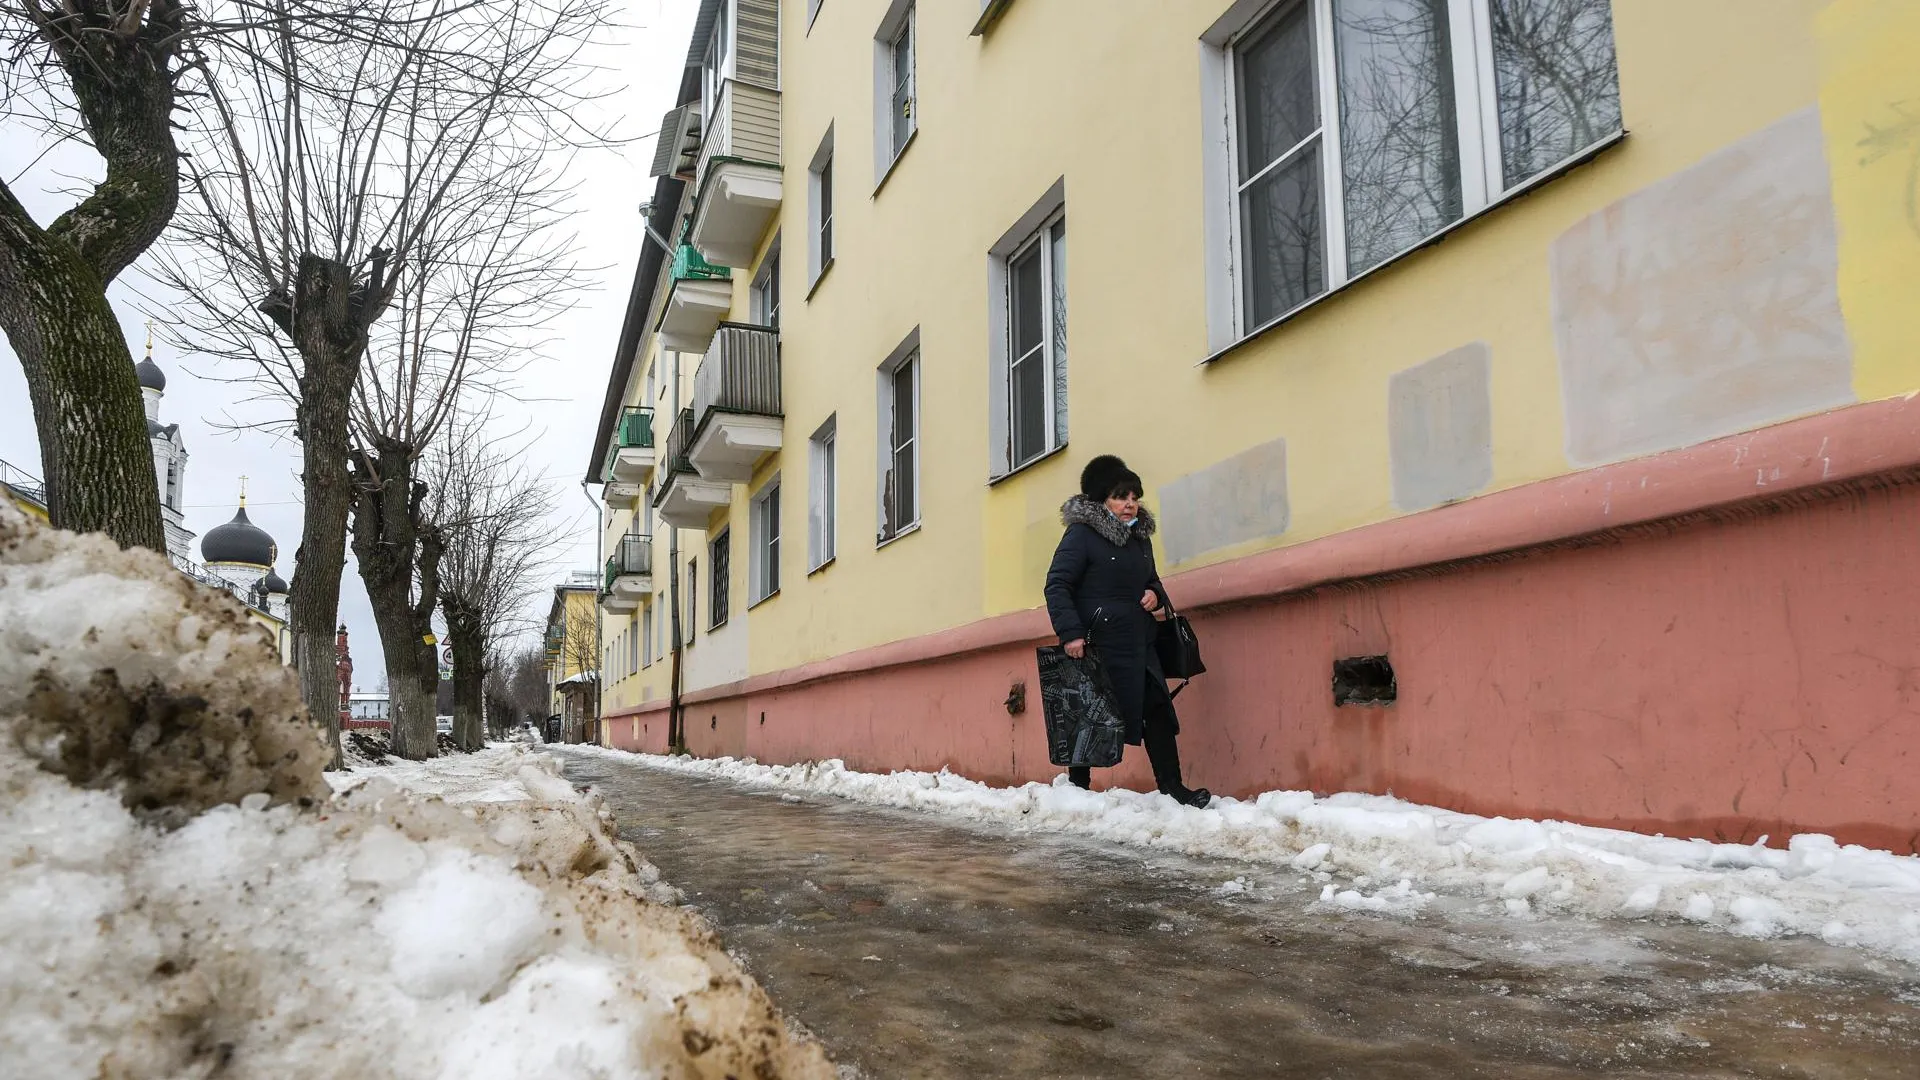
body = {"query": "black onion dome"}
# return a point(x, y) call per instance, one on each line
point(276, 586)
point(151, 377)
point(238, 541)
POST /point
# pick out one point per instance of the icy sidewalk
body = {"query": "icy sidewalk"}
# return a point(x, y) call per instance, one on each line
point(183, 897)
point(1381, 854)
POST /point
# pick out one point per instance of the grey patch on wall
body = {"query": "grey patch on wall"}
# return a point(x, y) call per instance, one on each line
point(1440, 427)
point(1241, 498)
point(1705, 304)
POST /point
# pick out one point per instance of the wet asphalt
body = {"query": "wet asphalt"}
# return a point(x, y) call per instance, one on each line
point(915, 946)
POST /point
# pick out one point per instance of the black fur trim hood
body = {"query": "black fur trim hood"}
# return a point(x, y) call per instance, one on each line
point(1093, 513)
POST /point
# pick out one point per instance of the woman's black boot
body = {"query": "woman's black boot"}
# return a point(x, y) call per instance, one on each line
point(1080, 776)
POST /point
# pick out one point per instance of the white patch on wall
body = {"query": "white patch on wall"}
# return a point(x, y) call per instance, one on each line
point(1229, 502)
point(1440, 428)
point(1705, 304)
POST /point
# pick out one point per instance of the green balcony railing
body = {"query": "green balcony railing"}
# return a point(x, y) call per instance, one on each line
point(679, 442)
point(689, 266)
point(632, 555)
point(633, 429)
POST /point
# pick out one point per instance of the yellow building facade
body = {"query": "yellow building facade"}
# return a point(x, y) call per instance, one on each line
point(1362, 288)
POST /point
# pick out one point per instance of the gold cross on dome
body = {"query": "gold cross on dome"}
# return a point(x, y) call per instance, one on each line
point(149, 339)
point(243, 489)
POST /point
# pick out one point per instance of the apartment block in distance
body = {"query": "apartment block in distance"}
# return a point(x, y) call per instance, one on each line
point(1524, 389)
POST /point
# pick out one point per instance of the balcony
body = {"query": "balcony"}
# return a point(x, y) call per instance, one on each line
point(737, 180)
point(630, 458)
point(736, 403)
point(685, 499)
point(629, 575)
point(701, 296)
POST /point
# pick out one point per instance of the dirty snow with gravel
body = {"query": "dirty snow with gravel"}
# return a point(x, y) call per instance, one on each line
point(1379, 854)
point(184, 899)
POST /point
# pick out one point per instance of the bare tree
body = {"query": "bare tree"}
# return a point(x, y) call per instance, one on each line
point(337, 176)
point(493, 514)
point(116, 63)
point(525, 672)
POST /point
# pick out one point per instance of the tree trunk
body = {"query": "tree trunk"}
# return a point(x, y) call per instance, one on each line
point(326, 317)
point(466, 632)
point(87, 409)
point(86, 402)
point(321, 560)
point(396, 549)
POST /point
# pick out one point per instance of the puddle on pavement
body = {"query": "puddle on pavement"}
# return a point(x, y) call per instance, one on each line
point(916, 947)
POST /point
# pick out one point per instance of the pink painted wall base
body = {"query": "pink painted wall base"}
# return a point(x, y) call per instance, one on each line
point(1751, 669)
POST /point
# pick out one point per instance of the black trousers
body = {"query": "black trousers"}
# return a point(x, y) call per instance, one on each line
point(1163, 748)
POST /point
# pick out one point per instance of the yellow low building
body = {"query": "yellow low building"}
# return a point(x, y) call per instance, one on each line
point(573, 651)
point(1550, 356)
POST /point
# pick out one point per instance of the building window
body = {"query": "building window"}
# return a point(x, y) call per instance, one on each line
point(821, 496)
point(766, 289)
point(633, 647)
point(1361, 128)
point(716, 67)
point(893, 89)
point(1037, 344)
point(820, 209)
point(693, 596)
point(719, 592)
point(646, 637)
point(900, 467)
point(763, 576)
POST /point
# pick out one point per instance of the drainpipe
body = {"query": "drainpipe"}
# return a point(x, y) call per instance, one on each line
point(676, 710)
point(600, 567)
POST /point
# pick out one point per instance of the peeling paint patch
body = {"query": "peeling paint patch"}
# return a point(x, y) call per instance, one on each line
point(1705, 304)
point(1440, 423)
point(1241, 498)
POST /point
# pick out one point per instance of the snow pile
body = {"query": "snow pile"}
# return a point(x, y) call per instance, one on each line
point(122, 673)
point(1374, 853)
point(377, 933)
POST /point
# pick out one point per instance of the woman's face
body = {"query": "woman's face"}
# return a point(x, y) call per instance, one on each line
point(1125, 507)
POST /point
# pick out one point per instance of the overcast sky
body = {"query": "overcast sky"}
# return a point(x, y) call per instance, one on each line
point(571, 382)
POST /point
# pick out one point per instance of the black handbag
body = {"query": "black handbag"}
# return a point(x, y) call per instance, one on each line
point(1084, 726)
point(1178, 649)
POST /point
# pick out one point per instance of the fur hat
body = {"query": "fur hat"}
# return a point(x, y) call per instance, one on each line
point(1106, 474)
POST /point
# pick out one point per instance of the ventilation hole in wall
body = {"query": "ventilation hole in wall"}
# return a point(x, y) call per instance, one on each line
point(713, 724)
point(1363, 680)
point(763, 719)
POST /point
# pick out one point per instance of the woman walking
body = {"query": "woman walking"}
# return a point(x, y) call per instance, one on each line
point(1103, 592)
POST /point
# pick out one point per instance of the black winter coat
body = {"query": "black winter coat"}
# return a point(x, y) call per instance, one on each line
point(1099, 572)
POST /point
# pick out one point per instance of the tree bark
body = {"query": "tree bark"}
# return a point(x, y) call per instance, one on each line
point(393, 546)
point(466, 632)
point(326, 318)
point(53, 282)
point(86, 401)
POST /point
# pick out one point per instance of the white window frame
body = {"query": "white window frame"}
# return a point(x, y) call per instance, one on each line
point(897, 29)
point(763, 572)
point(633, 647)
point(646, 636)
point(823, 482)
point(1477, 129)
point(1033, 227)
point(905, 356)
point(717, 60)
point(820, 211)
point(693, 601)
point(766, 288)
